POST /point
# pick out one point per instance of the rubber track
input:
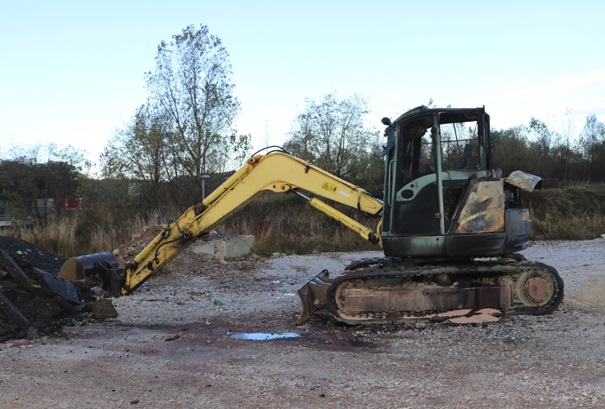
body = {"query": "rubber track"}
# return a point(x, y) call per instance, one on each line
point(381, 268)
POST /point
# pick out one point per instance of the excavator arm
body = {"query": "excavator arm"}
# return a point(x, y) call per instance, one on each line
point(277, 172)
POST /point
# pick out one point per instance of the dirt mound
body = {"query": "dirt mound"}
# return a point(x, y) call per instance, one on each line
point(33, 299)
point(127, 251)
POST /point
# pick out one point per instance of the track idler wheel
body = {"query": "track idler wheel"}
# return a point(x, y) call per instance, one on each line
point(540, 290)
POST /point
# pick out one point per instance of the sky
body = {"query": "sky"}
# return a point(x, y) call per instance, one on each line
point(72, 72)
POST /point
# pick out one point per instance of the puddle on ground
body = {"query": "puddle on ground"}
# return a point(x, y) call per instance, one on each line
point(212, 336)
point(263, 336)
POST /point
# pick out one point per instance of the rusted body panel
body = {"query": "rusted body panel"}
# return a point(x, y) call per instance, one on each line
point(523, 180)
point(483, 210)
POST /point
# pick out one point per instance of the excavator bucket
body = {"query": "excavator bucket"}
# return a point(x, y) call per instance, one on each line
point(313, 295)
point(94, 269)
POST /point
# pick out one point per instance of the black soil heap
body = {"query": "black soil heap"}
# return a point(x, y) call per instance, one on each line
point(33, 299)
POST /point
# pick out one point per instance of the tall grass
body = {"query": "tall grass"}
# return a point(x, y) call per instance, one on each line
point(287, 224)
point(552, 226)
point(58, 234)
point(102, 238)
point(570, 213)
point(73, 234)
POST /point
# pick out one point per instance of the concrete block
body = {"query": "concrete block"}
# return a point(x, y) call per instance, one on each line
point(234, 247)
point(205, 248)
point(226, 247)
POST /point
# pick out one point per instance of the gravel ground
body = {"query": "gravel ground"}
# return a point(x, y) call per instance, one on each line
point(175, 345)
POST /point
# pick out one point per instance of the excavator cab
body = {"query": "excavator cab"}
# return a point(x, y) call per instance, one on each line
point(451, 227)
point(442, 198)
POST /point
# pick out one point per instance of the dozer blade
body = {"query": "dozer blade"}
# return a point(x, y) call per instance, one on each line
point(94, 269)
point(313, 295)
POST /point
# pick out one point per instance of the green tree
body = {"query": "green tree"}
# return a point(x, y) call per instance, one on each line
point(331, 134)
point(370, 174)
point(31, 187)
point(18, 187)
point(592, 142)
point(511, 150)
point(139, 150)
point(541, 141)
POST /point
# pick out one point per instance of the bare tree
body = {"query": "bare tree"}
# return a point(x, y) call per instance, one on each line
point(191, 85)
point(140, 150)
point(565, 152)
point(331, 133)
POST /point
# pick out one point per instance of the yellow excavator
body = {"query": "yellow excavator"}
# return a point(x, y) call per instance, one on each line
point(450, 226)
